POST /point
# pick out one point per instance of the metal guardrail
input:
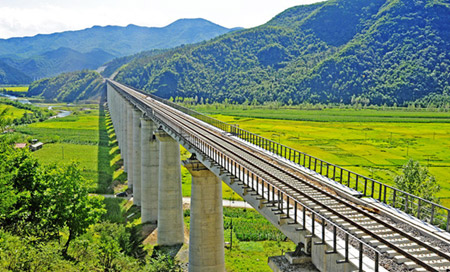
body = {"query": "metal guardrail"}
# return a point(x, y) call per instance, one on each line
point(278, 197)
point(423, 209)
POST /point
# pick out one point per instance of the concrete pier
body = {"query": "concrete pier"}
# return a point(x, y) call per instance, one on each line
point(124, 132)
point(149, 172)
point(206, 241)
point(129, 124)
point(170, 204)
point(137, 157)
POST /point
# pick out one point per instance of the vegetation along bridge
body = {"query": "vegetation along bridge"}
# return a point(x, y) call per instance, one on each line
point(342, 220)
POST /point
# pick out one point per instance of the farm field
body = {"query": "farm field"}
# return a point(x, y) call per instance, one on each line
point(12, 112)
point(376, 147)
point(80, 137)
point(87, 137)
point(345, 114)
point(16, 89)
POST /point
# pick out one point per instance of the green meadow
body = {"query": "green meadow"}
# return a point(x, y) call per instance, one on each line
point(16, 89)
point(374, 143)
point(376, 146)
point(12, 112)
point(81, 137)
point(88, 138)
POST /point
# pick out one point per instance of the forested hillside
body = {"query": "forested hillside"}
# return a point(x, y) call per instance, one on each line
point(58, 61)
point(116, 40)
point(382, 51)
point(10, 75)
point(69, 87)
point(51, 54)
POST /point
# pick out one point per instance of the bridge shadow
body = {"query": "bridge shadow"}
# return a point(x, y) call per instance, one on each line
point(108, 155)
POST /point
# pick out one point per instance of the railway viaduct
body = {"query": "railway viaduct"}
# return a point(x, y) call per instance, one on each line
point(316, 204)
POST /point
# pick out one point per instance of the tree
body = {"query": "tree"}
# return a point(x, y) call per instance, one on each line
point(416, 180)
point(68, 202)
point(47, 199)
point(4, 122)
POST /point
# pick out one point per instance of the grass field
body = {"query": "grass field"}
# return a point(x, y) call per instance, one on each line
point(186, 180)
point(254, 240)
point(330, 114)
point(81, 128)
point(83, 138)
point(12, 112)
point(16, 89)
point(377, 146)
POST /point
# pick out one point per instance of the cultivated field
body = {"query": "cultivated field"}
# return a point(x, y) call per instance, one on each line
point(12, 112)
point(374, 143)
point(80, 137)
point(16, 89)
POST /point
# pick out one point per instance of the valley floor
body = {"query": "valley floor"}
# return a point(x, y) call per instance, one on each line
point(374, 143)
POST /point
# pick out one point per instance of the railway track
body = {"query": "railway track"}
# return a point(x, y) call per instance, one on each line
point(262, 168)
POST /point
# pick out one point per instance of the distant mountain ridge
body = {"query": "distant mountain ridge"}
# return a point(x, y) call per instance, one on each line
point(47, 55)
point(10, 75)
point(58, 61)
point(338, 51)
point(116, 40)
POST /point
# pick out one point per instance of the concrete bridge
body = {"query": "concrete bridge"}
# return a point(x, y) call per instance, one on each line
point(297, 193)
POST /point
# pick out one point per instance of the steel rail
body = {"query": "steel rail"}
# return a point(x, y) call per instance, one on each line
point(175, 113)
point(369, 184)
point(349, 205)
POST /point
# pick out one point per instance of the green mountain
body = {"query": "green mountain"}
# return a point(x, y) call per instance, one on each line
point(115, 40)
point(113, 66)
point(10, 75)
point(58, 61)
point(386, 51)
point(69, 87)
point(48, 55)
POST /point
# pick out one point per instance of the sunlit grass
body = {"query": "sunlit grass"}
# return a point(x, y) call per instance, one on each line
point(373, 149)
point(17, 89)
point(65, 153)
point(12, 112)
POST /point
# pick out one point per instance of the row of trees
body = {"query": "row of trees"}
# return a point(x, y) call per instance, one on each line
point(34, 114)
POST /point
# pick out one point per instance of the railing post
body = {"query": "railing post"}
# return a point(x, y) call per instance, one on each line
point(448, 221)
point(418, 207)
point(394, 195)
point(432, 214)
point(365, 186)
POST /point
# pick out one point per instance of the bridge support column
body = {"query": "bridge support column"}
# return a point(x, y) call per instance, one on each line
point(123, 118)
point(149, 172)
point(206, 241)
point(137, 157)
point(130, 162)
point(170, 202)
point(116, 115)
point(118, 119)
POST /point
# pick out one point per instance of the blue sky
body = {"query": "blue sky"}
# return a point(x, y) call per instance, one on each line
point(20, 18)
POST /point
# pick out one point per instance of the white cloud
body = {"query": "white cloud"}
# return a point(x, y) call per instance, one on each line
point(27, 17)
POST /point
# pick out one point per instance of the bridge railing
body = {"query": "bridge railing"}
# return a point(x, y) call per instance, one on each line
point(427, 211)
point(296, 211)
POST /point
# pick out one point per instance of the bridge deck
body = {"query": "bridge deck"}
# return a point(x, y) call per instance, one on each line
point(329, 211)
